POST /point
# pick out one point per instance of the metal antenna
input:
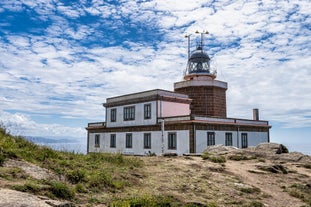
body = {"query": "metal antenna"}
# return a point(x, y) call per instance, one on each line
point(202, 36)
point(188, 36)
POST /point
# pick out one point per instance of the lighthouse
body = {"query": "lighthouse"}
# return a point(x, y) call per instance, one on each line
point(199, 83)
point(183, 121)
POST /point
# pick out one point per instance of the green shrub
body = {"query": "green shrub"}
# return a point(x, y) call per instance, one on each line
point(213, 158)
point(80, 188)
point(218, 159)
point(276, 168)
point(211, 204)
point(282, 149)
point(76, 176)
point(145, 201)
point(303, 192)
point(61, 190)
point(308, 166)
point(45, 153)
point(255, 204)
point(29, 186)
point(239, 157)
point(250, 190)
point(2, 158)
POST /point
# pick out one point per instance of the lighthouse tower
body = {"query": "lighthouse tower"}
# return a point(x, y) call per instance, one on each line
point(208, 94)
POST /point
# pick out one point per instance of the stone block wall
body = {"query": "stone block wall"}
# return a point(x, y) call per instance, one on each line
point(206, 100)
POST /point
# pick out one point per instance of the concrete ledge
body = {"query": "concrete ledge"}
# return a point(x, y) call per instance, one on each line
point(214, 83)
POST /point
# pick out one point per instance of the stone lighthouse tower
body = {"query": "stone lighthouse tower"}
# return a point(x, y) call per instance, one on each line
point(208, 95)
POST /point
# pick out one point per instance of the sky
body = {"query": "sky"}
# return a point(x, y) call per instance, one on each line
point(61, 59)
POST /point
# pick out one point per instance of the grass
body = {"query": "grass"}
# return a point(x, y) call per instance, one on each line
point(214, 158)
point(239, 157)
point(81, 173)
point(250, 190)
point(300, 191)
point(307, 166)
point(275, 168)
point(146, 201)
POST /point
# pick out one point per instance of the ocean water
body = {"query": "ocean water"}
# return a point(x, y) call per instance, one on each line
point(304, 148)
point(79, 147)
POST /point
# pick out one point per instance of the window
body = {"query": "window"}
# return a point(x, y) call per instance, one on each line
point(147, 140)
point(113, 115)
point(97, 140)
point(112, 140)
point(129, 113)
point(172, 141)
point(228, 141)
point(128, 140)
point(244, 140)
point(147, 111)
point(210, 138)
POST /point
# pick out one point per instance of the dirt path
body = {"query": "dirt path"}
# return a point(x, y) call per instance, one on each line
point(192, 179)
point(269, 184)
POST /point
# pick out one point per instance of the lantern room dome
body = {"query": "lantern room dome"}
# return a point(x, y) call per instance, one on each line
point(199, 64)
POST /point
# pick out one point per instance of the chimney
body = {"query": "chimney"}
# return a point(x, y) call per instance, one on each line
point(255, 114)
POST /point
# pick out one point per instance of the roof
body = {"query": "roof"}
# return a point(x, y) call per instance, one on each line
point(144, 96)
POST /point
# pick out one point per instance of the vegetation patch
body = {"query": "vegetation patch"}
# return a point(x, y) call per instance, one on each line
point(147, 201)
point(11, 173)
point(250, 190)
point(94, 172)
point(2, 157)
point(282, 149)
point(214, 158)
point(30, 186)
point(303, 192)
point(254, 204)
point(61, 190)
point(76, 176)
point(239, 157)
point(256, 172)
point(308, 166)
point(276, 168)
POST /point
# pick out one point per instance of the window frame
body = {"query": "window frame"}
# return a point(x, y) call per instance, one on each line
point(129, 113)
point(113, 139)
point(128, 140)
point(228, 139)
point(113, 115)
point(147, 140)
point(97, 140)
point(211, 139)
point(147, 111)
point(244, 140)
point(172, 140)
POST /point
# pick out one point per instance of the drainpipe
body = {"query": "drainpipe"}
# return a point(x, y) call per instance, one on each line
point(162, 127)
point(88, 142)
point(162, 138)
point(238, 137)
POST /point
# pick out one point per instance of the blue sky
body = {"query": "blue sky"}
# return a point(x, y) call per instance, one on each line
point(61, 59)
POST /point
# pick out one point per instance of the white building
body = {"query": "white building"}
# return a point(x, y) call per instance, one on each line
point(184, 121)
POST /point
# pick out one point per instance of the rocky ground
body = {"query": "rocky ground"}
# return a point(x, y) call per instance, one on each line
point(260, 176)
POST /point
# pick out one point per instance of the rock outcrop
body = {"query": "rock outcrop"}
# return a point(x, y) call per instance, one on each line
point(12, 198)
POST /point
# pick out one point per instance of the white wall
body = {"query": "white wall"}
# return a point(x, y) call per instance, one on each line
point(139, 115)
point(138, 143)
point(254, 138)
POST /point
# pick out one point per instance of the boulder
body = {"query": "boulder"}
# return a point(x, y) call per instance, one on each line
point(13, 198)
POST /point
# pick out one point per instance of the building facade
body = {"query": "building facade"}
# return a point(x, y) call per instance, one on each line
point(183, 121)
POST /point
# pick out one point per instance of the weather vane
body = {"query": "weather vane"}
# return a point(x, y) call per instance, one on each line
point(201, 42)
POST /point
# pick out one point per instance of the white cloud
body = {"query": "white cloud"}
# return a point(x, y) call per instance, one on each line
point(262, 50)
point(21, 124)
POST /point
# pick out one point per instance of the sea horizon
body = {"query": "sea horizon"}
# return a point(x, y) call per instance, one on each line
point(81, 147)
